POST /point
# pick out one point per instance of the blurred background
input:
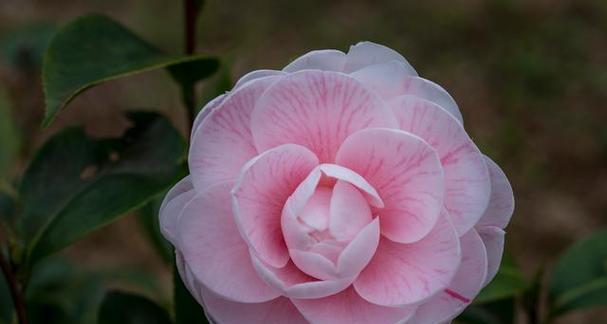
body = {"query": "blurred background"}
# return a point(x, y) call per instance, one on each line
point(530, 78)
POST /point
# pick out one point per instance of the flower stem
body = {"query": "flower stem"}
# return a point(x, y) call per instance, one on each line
point(187, 91)
point(15, 290)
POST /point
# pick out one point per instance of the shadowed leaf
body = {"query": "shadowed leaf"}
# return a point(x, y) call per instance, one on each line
point(76, 184)
point(579, 279)
point(125, 308)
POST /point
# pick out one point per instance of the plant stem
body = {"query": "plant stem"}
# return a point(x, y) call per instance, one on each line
point(15, 290)
point(187, 91)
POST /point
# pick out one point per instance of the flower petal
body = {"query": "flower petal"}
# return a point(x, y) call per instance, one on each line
point(254, 75)
point(172, 206)
point(405, 274)
point(204, 113)
point(215, 252)
point(388, 79)
point(314, 264)
point(345, 174)
point(493, 237)
point(407, 174)
point(466, 284)
point(276, 311)
point(349, 210)
point(347, 307)
point(501, 204)
point(293, 283)
point(467, 184)
point(359, 251)
point(316, 109)
point(260, 194)
point(223, 142)
point(393, 79)
point(325, 60)
point(367, 53)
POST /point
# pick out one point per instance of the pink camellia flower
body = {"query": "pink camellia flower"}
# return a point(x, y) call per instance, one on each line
point(342, 189)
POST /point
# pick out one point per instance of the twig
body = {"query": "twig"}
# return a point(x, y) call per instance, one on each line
point(15, 290)
point(187, 91)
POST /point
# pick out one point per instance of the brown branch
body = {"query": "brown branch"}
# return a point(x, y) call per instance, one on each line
point(191, 14)
point(15, 290)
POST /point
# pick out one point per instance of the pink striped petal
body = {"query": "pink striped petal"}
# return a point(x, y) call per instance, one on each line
point(347, 307)
point(260, 194)
point(172, 206)
point(212, 247)
point(405, 274)
point(277, 311)
point(223, 142)
point(325, 60)
point(293, 283)
point(466, 176)
point(407, 174)
point(316, 109)
point(501, 204)
point(493, 237)
point(367, 53)
point(466, 284)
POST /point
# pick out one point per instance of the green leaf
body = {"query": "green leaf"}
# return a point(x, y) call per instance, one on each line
point(508, 282)
point(187, 309)
point(188, 73)
point(579, 279)
point(93, 49)
point(76, 184)
point(497, 312)
point(148, 218)
point(125, 308)
point(9, 137)
point(59, 293)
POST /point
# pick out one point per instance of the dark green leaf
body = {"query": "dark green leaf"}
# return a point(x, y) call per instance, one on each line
point(497, 312)
point(148, 218)
point(187, 309)
point(125, 308)
point(59, 293)
point(9, 137)
point(579, 279)
point(94, 49)
point(7, 208)
point(508, 282)
point(76, 184)
point(188, 73)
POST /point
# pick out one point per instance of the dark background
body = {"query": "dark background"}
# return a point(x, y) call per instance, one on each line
point(529, 76)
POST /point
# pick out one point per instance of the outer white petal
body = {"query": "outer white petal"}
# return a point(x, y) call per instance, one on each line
point(368, 53)
point(325, 60)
